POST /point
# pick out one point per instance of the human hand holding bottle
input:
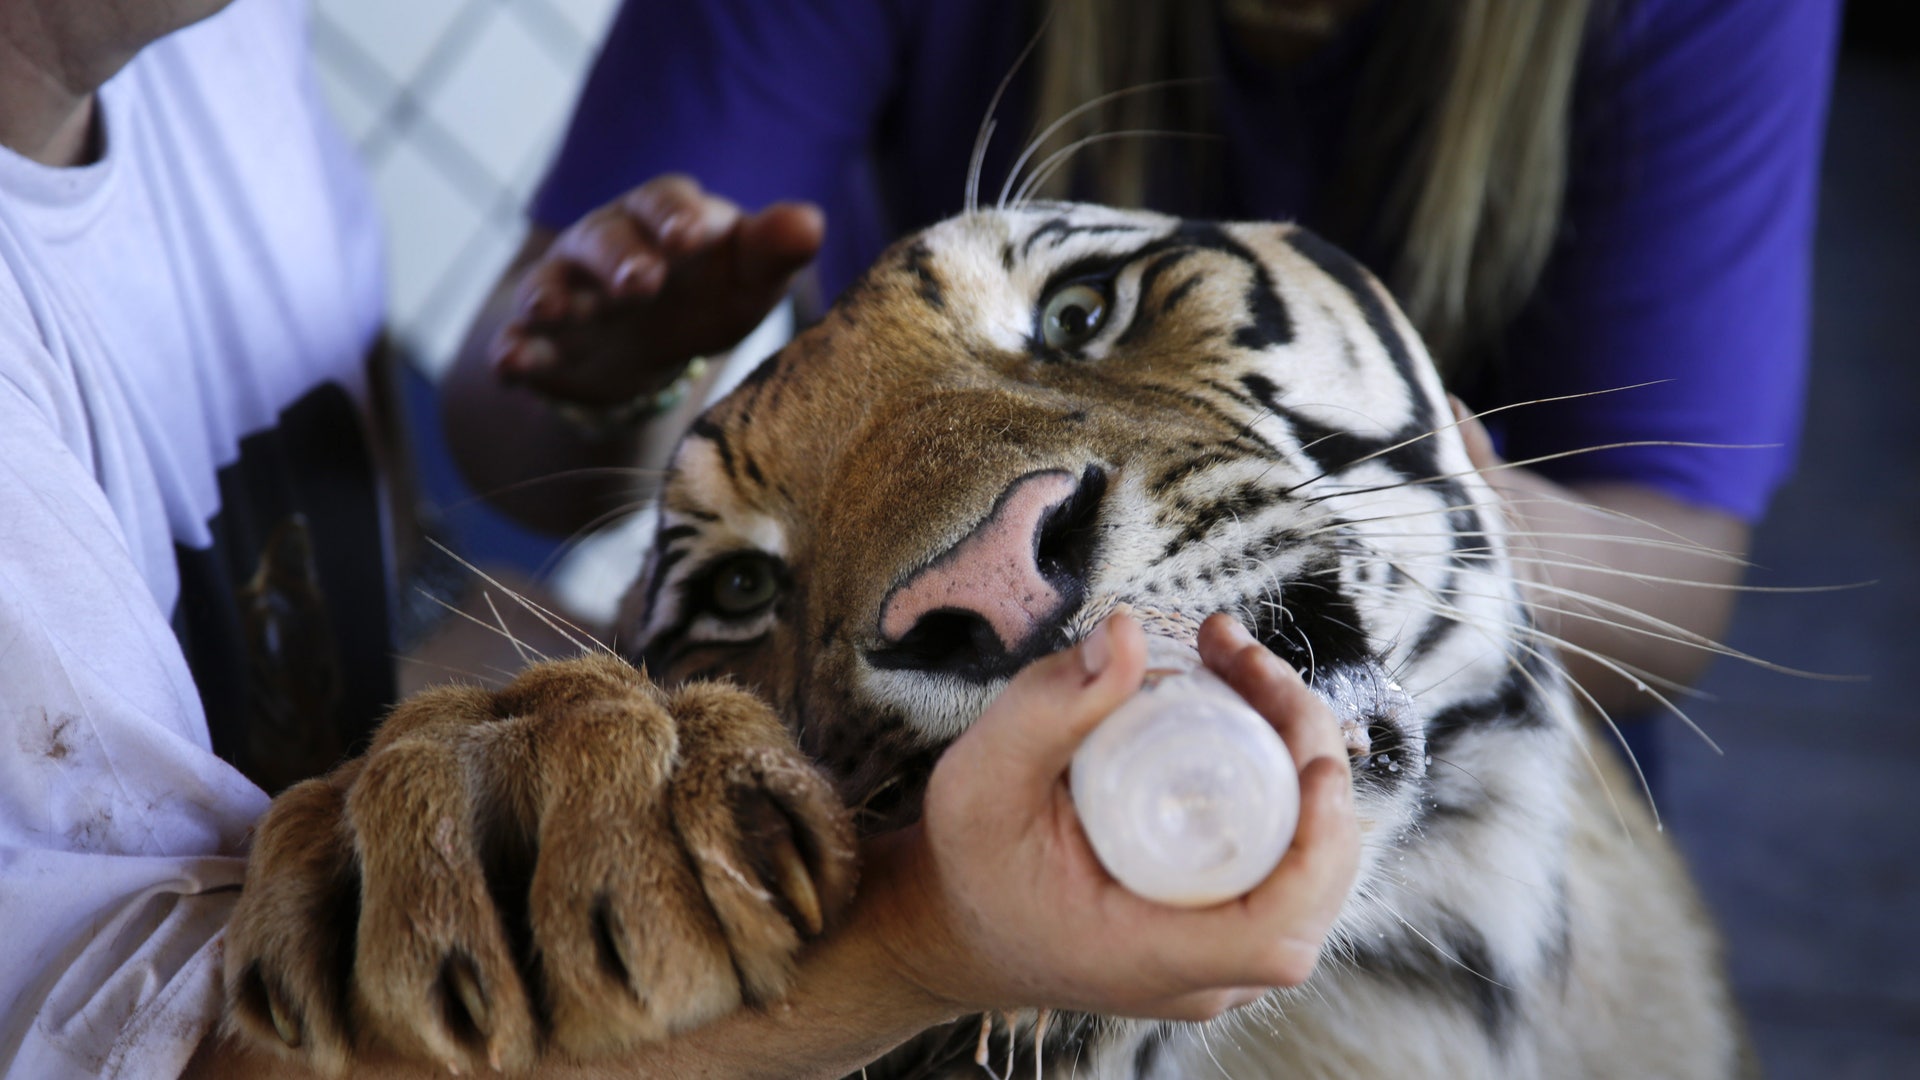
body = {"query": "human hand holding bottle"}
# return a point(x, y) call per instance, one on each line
point(996, 900)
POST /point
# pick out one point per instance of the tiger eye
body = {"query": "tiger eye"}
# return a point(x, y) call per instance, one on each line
point(743, 585)
point(1072, 316)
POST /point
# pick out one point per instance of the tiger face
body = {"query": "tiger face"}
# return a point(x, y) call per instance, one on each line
point(1018, 420)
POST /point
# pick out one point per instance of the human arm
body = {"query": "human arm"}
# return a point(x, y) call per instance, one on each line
point(995, 901)
point(1674, 320)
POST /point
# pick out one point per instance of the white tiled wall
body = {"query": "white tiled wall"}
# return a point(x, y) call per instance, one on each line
point(455, 106)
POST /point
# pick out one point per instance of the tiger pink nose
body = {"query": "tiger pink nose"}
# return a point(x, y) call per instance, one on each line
point(994, 573)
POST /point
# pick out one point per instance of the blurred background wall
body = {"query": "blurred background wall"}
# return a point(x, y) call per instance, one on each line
point(455, 106)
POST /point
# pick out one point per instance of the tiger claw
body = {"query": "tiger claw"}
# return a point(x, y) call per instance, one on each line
point(466, 988)
point(795, 882)
point(288, 1030)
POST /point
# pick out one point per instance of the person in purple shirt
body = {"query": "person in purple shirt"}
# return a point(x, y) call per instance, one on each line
point(1659, 171)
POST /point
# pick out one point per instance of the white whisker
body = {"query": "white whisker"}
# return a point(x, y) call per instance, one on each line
point(978, 159)
point(1529, 462)
point(1045, 170)
point(1040, 140)
point(1643, 624)
point(1404, 443)
point(552, 621)
point(526, 657)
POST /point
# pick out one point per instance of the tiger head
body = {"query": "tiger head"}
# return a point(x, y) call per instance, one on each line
point(1019, 419)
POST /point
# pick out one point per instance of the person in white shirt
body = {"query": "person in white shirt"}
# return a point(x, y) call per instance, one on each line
point(189, 286)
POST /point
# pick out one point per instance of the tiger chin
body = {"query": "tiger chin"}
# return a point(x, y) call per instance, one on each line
point(1016, 419)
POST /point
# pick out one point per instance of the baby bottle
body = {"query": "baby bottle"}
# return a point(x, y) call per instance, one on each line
point(1188, 795)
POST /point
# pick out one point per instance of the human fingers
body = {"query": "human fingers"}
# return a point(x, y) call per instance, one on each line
point(602, 254)
point(1275, 934)
point(680, 215)
point(772, 245)
point(1194, 1007)
point(1297, 904)
point(1042, 716)
point(623, 250)
point(628, 247)
point(1275, 690)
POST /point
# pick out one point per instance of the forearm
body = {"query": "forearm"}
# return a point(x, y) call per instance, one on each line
point(1625, 573)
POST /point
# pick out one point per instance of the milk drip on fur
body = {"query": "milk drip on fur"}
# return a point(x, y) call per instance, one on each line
point(1187, 794)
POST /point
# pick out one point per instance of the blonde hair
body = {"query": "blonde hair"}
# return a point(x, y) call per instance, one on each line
point(1455, 154)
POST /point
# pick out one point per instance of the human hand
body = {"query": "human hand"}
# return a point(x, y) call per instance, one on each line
point(624, 298)
point(1001, 903)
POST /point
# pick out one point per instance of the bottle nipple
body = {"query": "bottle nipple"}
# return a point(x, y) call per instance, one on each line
point(1186, 794)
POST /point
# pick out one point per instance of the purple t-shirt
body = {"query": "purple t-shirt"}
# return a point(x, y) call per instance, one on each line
point(1684, 259)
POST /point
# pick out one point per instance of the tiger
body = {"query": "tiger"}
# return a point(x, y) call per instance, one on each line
point(1181, 417)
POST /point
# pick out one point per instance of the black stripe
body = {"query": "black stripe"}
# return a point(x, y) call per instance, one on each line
point(1437, 626)
point(713, 433)
point(1180, 292)
point(1231, 393)
point(1514, 703)
point(1148, 1052)
point(1242, 501)
point(1060, 228)
point(1351, 276)
point(1470, 545)
point(1271, 324)
point(1454, 964)
point(1166, 480)
point(918, 261)
point(1144, 315)
point(1242, 432)
point(668, 560)
point(1333, 451)
point(671, 533)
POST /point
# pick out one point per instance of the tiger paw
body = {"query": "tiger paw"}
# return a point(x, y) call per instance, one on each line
point(573, 864)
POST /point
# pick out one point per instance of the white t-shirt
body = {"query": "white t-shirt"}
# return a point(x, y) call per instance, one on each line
point(160, 311)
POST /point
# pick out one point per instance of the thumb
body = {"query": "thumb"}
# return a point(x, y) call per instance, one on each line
point(774, 244)
point(1037, 723)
